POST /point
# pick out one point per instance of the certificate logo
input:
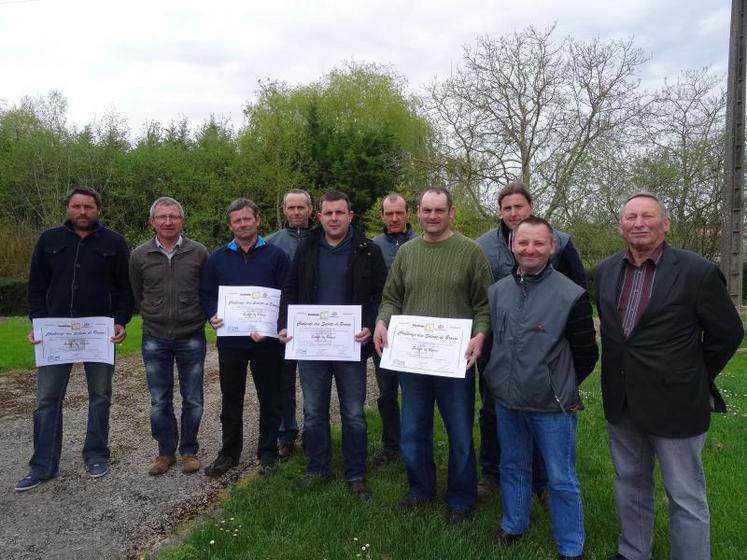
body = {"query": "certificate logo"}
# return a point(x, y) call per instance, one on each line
point(324, 315)
point(75, 327)
point(256, 295)
point(433, 327)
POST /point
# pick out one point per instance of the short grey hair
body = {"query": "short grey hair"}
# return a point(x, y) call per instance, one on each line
point(645, 194)
point(166, 201)
point(305, 193)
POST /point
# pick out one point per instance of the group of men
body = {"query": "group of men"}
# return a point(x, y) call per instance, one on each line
point(668, 328)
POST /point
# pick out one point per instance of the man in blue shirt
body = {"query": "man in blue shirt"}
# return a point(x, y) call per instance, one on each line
point(247, 260)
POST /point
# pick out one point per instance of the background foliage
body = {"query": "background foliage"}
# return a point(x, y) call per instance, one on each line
point(568, 117)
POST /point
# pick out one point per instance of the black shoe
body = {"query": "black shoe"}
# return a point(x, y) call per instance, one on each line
point(384, 457)
point(457, 516)
point(579, 557)
point(221, 465)
point(409, 502)
point(502, 538)
point(311, 482)
point(359, 489)
point(487, 485)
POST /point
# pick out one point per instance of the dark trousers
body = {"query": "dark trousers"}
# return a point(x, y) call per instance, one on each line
point(265, 360)
point(388, 403)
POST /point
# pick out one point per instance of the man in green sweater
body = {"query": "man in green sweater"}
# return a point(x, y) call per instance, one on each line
point(440, 274)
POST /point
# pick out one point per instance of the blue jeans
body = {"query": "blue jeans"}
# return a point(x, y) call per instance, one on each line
point(456, 402)
point(316, 383)
point(158, 356)
point(50, 392)
point(555, 434)
point(288, 431)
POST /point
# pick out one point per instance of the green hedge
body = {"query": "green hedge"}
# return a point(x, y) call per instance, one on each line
point(13, 297)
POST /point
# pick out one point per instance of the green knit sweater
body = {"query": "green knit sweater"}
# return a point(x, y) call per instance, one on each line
point(447, 279)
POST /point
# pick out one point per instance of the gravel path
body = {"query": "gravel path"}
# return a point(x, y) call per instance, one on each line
point(76, 517)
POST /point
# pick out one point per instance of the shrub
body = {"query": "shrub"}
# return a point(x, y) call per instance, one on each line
point(13, 296)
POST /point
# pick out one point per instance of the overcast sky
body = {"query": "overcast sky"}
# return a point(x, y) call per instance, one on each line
point(164, 59)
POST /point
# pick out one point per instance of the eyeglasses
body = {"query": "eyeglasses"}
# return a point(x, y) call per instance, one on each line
point(167, 217)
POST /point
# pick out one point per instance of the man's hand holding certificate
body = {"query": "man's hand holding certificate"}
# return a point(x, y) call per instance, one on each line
point(427, 345)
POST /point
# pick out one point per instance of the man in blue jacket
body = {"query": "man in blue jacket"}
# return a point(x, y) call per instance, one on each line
point(78, 269)
point(297, 209)
point(247, 260)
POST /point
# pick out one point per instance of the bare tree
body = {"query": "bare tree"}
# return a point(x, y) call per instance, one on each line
point(522, 106)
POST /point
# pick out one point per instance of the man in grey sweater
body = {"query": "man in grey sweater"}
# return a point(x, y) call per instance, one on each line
point(165, 277)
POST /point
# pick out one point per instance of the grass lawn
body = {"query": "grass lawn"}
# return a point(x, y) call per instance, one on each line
point(19, 354)
point(272, 519)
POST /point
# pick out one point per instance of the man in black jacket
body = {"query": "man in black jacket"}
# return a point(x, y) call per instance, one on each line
point(78, 269)
point(336, 265)
point(668, 328)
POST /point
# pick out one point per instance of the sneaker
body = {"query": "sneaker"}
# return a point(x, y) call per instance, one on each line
point(359, 489)
point(487, 485)
point(221, 465)
point(384, 456)
point(190, 464)
point(285, 449)
point(267, 468)
point(28, 482)
point(161, 465)
point(97, 470)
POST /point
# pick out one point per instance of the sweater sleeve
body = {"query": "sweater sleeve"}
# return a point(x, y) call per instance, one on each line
point(582, 338)
point(209, 288)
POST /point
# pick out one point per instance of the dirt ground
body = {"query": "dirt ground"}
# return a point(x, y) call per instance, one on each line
point(127, 511)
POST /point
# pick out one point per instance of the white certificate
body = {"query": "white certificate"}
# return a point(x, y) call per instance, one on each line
point(324, 332)
point(248, 309)
point(427, 345)
point(68, 341)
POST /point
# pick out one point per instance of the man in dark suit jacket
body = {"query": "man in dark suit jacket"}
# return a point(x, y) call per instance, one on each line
point(668, 328)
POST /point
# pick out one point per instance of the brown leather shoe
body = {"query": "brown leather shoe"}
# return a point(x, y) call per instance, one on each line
point(285, 450)
point(190, 464)
point(161, 465)
point(502, 538)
